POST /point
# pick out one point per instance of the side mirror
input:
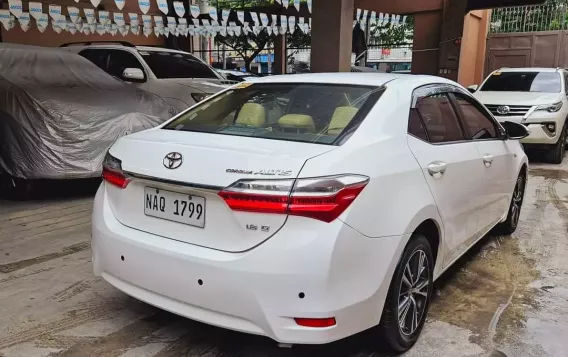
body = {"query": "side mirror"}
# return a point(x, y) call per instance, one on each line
point(473, 88)
point(516, 131)
point(133, 75)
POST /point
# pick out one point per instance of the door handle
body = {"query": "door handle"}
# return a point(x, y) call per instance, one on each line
point(436, 169)
point(487, 160)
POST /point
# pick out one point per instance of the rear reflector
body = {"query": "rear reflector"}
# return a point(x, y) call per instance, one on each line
point(316, 323)
point(321, 198)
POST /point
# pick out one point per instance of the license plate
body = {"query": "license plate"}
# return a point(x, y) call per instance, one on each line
point(174, 206)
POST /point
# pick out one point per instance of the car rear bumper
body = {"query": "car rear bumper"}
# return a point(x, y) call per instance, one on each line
point(341, 273)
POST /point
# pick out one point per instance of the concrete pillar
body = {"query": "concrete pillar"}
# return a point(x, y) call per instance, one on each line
point(426, 44)
point(332, 31)
point(279, 55)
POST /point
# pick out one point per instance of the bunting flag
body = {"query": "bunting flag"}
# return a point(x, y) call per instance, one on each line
point(74, 14)
point(104, 17)
point(163, 6)
point(42, 22)
point(101, 29)
point(144, 6)
point(373, 18)
point(292, 24)
point(159, 21)
point(87, 30)
point(54, 11)
point(119, 18)
point(24, 20)
point(309, 2)
point(15, 7)
point(241, 16)
point(179, 8)
point(79, 25)
point(134, 20)
point(90, 16)
point(35, 9)
point(297, 4)
point(286, 3)
point(120, 4)
point(147, 21)
point(95, 4)
point(195, 11)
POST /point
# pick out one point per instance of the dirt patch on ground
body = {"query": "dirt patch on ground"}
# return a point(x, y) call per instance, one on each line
point(487, 291)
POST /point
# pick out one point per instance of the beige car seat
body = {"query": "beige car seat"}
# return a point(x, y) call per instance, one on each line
point(252, 114)
point(299, 122)
point(341, 117)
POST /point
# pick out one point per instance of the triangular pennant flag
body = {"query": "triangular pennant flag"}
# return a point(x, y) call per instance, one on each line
point(264, 19)
point(404, 18)
point(147, 31)
point(93, 28)
point(194, 11)
point(223, 31)
point(365, 14)
point(119, 18)
point(104, 17)
point(269, 30)
point(114, 29)
point(179, 8)
point(87, 30)
point(279, 1)
point(284, 22)
point(381, 18)
point(56, 28)
point(134, 19)
point(72, 29)
point(108, 27)
point(393, 19)
point(157, 31)
point(79, 25)
point(285, 3)
point(95, 4)
point(241, 16)
point(255, 18)
point(283, 29)
point(310, 4)
point(226, 14)
point(213, 14)
point(42, 29)
point(147, 21)
point(172, 21)
point(42, 21)
point(74, 14)
point(358, 16)
point(246, 28)
point(101, 29)
point(386, 19)
point(35, 9)
point(159, 20)
point(297, 4)
point(120, 4)
point(144, 6)
point(163, 6)
point(54, 11)
point(238, 30)
point(166, 32)
point(397, 19)
point(16, 8)
point(90, 16)
point(135, 29)
point(292, 24)
point(24, 19)
point(373, 18)
point(61, 22)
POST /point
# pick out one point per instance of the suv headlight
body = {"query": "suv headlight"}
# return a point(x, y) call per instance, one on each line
point(552, 108)
point(198, 97)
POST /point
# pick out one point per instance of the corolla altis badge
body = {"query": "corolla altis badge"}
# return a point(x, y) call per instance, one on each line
point(260, 172)
point(173, 160)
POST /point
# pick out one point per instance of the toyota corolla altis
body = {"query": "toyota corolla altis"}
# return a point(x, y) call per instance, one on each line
point(308, 208)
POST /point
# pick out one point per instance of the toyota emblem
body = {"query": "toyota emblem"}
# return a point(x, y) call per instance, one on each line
point(173, 160)
point(503, 109)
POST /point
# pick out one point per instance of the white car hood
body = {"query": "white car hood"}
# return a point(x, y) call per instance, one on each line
point(517, 98)
point(204, 85)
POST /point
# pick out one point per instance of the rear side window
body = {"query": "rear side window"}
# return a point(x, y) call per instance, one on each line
point(98, 57)
point(415, 126)
point(439, 118)
point(478, 124)
point(313, 113)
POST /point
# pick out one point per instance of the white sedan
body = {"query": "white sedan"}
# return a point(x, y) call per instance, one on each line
point(308, 208)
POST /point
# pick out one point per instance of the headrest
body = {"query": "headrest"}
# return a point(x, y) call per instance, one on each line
point(252, 114)
point(298, 121)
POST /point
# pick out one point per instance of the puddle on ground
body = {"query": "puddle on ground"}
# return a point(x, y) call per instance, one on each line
point(487, 291)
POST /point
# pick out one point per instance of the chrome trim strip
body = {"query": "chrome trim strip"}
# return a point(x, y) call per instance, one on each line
point(210, 188)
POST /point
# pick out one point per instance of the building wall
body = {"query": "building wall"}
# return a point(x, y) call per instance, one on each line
point(473, 47)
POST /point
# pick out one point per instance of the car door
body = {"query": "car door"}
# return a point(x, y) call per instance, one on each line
point(450, 163)
point(497, 158)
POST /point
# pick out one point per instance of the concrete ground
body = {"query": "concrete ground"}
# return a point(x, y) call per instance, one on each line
point(507, 297)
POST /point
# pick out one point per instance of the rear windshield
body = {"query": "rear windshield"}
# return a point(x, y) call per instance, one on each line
point(312, 113)
point(546, 82)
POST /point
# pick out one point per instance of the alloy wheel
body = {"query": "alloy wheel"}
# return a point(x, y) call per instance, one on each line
point(413, 293)
point(517, 201)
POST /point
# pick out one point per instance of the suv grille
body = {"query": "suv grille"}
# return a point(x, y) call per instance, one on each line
point(514, 110)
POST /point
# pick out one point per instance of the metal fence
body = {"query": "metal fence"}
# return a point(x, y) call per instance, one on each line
point(553, 15)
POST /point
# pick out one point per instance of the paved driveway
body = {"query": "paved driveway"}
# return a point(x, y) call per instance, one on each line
point(507, 297)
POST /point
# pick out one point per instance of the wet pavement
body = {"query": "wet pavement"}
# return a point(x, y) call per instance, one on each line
point(507, 297)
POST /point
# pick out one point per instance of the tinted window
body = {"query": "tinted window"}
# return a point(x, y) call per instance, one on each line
point(98, 57)
point(476, 122)
point(415, 126)
point(547, 82)
point(316, 113)
point(120, 60)
point(176, 65)
point(439, 118)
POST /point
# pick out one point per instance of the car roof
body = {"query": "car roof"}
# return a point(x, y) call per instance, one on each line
point(159, 49)
point(528, 69)
point(350, 78)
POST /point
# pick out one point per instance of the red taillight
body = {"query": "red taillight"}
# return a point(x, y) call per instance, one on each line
point(323, 198)
point(112, 172)
point(115, 178)
point(316, 323)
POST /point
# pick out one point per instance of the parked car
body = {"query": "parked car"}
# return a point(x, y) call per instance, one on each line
point(59, 114)
point(236, 76)
point(535, 97)
point(306, 208)
point(179, 77)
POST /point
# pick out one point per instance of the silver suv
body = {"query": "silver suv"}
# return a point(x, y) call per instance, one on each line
point(179, 77)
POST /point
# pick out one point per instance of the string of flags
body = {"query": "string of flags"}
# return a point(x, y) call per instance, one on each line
point(364, 16)
point(101, 22)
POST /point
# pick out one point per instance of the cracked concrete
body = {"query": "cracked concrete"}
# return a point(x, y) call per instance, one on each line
point(508, 296)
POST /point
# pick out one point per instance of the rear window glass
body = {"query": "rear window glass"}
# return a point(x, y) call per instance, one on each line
point(546, 82)
point(313, 113)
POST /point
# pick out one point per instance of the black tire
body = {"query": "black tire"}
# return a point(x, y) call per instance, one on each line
point(15, 188)
point(510, 225)
point(398, 335)
point(556, 155)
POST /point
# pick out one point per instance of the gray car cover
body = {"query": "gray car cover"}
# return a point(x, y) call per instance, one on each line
point(59, 113)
